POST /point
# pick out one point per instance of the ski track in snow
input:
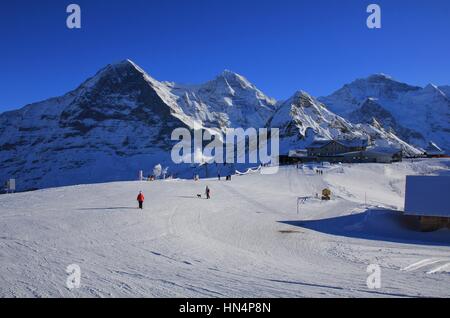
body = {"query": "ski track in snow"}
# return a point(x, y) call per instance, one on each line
point(247, 241)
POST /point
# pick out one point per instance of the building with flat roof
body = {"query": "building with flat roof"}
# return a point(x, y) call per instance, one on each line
point(428, 199)
point(328, 147)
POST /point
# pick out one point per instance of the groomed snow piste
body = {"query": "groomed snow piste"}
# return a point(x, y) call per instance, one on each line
point(247, 241)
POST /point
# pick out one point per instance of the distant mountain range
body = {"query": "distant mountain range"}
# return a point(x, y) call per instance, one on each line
point(120, 121)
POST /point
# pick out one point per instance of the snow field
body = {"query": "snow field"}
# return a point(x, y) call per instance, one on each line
point(247, 241)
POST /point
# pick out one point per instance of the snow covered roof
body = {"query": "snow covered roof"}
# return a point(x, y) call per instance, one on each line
point(357, 142)
point(372, 152)
point(384, 150)
point(319, 143)
point(298, 153)
point(427, 196)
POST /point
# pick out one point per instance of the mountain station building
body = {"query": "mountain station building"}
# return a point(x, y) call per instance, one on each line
point(343, 151)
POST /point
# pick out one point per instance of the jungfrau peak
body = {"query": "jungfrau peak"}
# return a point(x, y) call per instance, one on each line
point(417, 114)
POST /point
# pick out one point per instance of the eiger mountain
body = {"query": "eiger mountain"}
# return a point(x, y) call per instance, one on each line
point(416, 114)
point(120, 121)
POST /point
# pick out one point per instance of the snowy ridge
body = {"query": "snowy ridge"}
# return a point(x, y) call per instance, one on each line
point(229, 100)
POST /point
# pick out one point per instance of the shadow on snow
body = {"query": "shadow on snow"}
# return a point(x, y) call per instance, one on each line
point(377, 225)
point(109, 208)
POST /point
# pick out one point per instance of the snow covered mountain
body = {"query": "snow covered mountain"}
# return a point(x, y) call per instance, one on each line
point(229, 100)
point(445, 89)
point(371, 111)
point(417, 115)
point(120, 121)
point(116, 123)
point(112, 125)
point(302, 119)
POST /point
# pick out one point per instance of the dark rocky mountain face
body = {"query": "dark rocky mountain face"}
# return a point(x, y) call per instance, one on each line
point(89, 134)
point(121, 95)
point(370, 110)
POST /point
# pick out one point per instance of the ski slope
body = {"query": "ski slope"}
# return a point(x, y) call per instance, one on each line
point(247, 241)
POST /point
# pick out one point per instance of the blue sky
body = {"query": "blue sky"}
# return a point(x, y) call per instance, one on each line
point(279, 45)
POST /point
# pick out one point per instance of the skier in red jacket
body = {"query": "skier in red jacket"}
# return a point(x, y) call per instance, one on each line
point(140, 199)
